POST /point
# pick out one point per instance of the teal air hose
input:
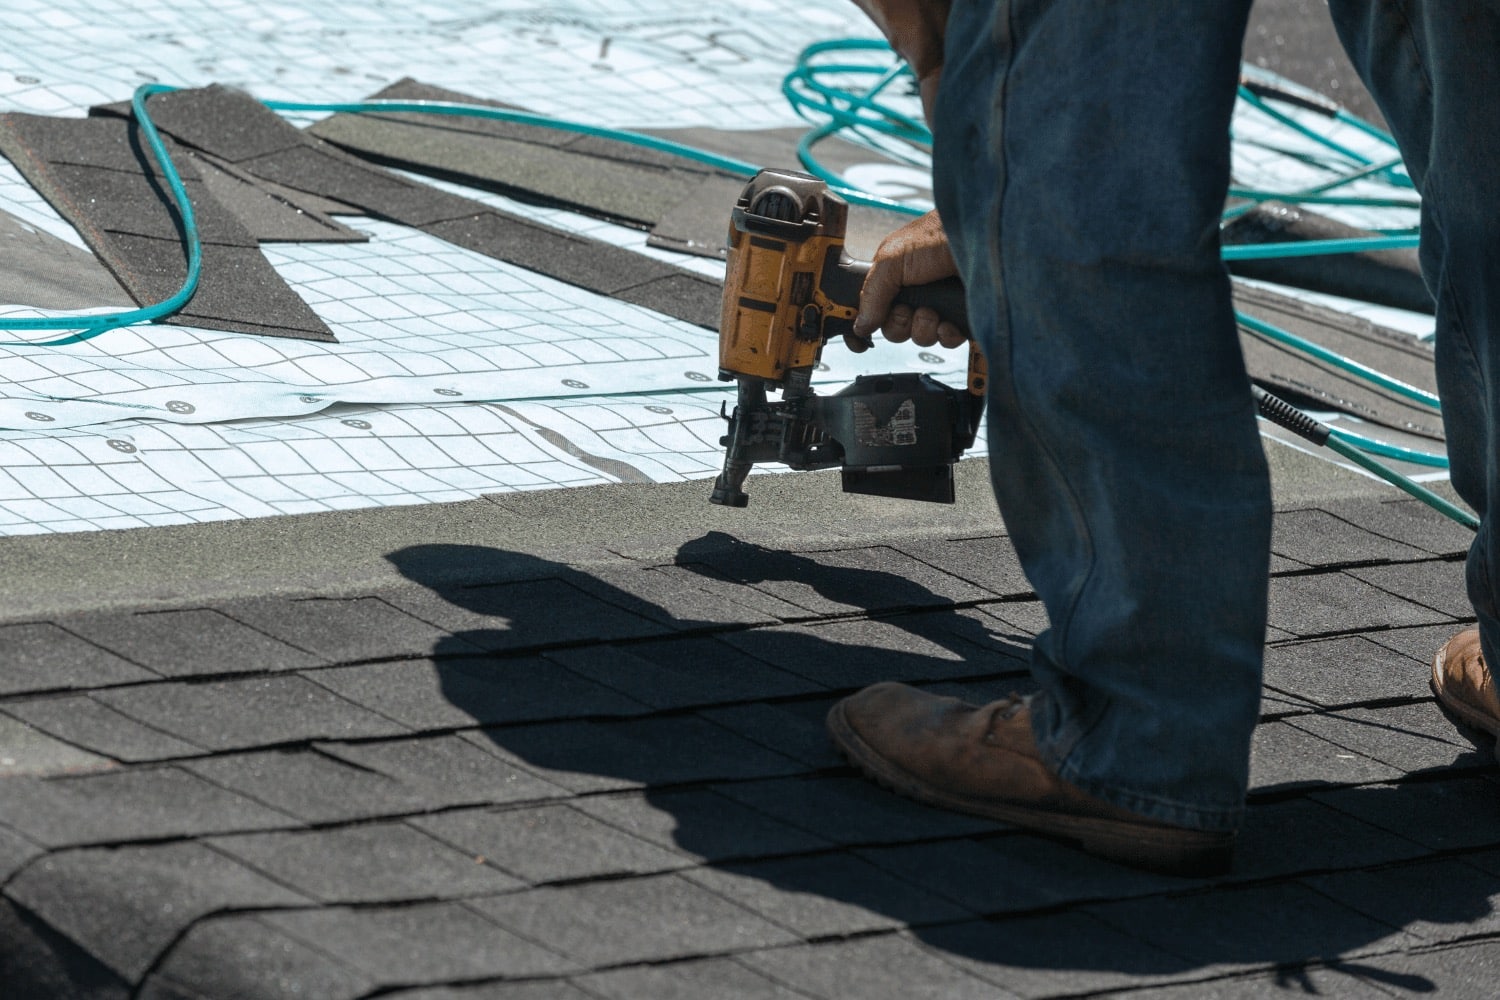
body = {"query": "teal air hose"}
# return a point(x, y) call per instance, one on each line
point(92, 326)
point(1395, 385)
point(1317, 248)
point(1283, 414)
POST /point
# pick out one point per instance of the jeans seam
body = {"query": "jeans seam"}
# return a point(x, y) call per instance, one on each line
point(1060, 625)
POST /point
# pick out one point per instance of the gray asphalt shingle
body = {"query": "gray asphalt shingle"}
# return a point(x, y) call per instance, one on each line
point(83, 721)
point(548, 843)
point(367, 863)
point(42, 656)
point(156, 892)
point(652, 918)
point(248, 712)
point(187, 642)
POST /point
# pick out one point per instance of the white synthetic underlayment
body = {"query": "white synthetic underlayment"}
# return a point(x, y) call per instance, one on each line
point(455, 374)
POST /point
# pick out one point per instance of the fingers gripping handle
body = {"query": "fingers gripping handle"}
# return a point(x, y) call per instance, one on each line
point(946, 298)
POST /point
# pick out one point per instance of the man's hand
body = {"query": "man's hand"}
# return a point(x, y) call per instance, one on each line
point(913, 255)
point(915, 29)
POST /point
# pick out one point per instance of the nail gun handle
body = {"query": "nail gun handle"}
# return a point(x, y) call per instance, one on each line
point(946, 298)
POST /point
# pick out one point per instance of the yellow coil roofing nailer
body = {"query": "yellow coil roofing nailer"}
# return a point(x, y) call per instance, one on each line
point(790, 288)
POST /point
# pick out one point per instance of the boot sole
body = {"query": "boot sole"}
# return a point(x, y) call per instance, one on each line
point(1169, 850)
point(1461, 711)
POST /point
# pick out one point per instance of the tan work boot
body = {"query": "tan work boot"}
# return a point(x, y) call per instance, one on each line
point(1463, 685)
point(983, 760)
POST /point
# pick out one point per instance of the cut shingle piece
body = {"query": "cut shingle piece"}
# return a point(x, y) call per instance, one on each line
point(250, 712)
point(548, 843)
point(98, 177)
point(187, 642)
point(225, 121)
point(368, 863)
point(653, 918)
point(43, 657)
point(118, 806)
point(127, 905)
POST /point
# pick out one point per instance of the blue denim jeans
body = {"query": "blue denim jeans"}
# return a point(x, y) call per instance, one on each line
point(1081, 160)
point(1433, 66)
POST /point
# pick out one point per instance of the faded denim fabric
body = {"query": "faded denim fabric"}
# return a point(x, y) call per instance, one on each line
point(1081, 159)
point(1433, 66)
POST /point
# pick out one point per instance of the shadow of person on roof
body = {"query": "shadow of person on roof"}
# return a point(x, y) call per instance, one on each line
point(651, 719)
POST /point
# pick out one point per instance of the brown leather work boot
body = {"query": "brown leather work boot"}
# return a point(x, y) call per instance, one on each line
point(1463, 685)
point(983, 760)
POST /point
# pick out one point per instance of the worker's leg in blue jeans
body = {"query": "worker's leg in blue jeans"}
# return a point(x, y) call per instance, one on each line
point(1433, 66)
point(1081, 162)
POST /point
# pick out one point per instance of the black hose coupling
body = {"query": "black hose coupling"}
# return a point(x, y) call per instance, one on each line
point(1284, 414)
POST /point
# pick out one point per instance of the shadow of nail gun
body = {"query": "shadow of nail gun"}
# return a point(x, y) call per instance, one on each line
point(789, 289)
